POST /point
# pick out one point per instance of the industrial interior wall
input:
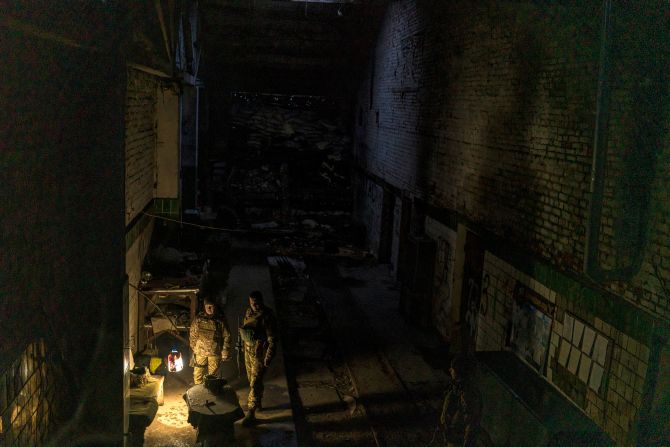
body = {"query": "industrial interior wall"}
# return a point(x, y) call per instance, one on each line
point(141, 141)
point(61, 152)
point(138, 242)
point(143, 109)
point(488, 112)
point(443, 280)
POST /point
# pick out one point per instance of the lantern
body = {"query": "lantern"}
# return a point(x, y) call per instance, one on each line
point(174, 361)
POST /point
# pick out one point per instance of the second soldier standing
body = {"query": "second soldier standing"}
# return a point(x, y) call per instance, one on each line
point(258, 333)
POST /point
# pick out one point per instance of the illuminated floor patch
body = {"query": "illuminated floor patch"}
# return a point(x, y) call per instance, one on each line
point(173, 414)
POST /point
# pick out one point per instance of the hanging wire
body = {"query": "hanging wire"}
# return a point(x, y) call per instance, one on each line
point(209, 227)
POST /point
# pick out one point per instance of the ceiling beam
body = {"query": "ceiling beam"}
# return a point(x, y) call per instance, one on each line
point(164, 31)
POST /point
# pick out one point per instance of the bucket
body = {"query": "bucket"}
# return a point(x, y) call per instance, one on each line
point(214, 383)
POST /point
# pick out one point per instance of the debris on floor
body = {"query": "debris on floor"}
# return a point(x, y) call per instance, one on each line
point(281, 156)
point(323, 396)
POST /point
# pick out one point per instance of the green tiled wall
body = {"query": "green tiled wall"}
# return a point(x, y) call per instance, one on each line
point(162, 207)
point(166, 207)
point(613, 309)
point(588, 302)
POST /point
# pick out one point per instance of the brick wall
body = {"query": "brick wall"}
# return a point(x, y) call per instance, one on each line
point(141, 103)
point(482, 112)
point(637, 164)
point(487, 112)
point(141, 176)
point(395, 237)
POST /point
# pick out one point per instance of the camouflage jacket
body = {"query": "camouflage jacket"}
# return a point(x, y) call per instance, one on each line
point(209, 335)
point(264, 327)
point(461, 413)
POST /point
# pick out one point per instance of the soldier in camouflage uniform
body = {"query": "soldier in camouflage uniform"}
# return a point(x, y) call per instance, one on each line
point(209, 338)
point(258, 333)
point(462, 408)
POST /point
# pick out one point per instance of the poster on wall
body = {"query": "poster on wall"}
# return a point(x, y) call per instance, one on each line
point(532, 317)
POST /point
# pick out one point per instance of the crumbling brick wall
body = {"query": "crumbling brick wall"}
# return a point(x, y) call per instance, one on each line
point(487, 111)
point(482, 112)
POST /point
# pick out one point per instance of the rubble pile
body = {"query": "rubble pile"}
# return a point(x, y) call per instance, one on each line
point(259, 181)
point(262, 130)
point(284, 155)
point(320, 243)
point(296, 308)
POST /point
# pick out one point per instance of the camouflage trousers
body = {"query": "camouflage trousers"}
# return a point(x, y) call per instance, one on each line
point(203, 365)
point(255, 372)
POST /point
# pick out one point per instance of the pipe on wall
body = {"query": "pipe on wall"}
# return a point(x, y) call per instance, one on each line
point(591, 266)
point(597, 185)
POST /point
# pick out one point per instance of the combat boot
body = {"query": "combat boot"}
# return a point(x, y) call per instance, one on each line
point(250, 418)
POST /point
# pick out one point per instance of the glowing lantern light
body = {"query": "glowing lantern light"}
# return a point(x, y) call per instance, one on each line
point(175, 361)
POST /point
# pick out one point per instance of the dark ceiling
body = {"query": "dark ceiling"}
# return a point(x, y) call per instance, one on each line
point(281, 46)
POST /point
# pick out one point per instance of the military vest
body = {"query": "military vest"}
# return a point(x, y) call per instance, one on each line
point(209, 340)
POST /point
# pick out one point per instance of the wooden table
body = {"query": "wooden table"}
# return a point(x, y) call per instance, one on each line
point(183, 291)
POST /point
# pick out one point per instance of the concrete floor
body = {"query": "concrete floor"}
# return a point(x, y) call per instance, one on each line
point(169, 428)
point(275, 422)
point(358, 374)
point(396, 368)
point(383, 390)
